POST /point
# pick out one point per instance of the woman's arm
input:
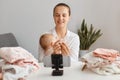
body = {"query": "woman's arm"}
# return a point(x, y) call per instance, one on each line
point(74, 48)
point(40, 54)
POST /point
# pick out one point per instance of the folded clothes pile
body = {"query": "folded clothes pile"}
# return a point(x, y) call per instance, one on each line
point(17, 63)
point(103, 61)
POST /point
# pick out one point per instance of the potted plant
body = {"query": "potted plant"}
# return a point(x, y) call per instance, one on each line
point(87, 36)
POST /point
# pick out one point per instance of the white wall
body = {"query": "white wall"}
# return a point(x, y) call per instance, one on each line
point(28, 19)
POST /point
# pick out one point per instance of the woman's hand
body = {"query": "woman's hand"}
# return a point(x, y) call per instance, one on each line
point(57, 47)
point(64, 49)
point(61, 48)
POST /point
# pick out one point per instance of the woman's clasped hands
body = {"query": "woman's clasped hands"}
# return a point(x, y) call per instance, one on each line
point(60, 47)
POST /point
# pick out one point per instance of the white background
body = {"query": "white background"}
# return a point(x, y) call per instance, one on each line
point(28, 19)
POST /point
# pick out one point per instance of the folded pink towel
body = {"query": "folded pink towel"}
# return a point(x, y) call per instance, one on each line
point(109, 54)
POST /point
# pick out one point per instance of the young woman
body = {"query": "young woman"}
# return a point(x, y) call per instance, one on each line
point(70, 45)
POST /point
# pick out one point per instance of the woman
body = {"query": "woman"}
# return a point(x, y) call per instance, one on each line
point(70, 45)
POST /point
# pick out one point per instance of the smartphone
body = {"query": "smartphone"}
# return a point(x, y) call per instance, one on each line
point(47, 61)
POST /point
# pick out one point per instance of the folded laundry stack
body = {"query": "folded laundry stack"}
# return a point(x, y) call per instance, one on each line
point(103, 61)
point(18, 63)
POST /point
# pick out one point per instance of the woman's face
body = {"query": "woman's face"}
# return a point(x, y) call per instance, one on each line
point(61, 16)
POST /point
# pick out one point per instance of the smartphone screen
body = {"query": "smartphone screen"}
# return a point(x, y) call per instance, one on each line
point(48, 61)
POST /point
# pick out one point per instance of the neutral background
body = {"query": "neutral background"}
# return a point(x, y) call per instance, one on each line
point(28, 19)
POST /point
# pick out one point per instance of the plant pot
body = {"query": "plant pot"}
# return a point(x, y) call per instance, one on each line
point(82, 53)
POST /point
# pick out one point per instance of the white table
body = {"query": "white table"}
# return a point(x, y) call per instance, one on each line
point(70, 73)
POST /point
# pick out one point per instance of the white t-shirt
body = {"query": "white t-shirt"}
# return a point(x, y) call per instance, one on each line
point(71, 39)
